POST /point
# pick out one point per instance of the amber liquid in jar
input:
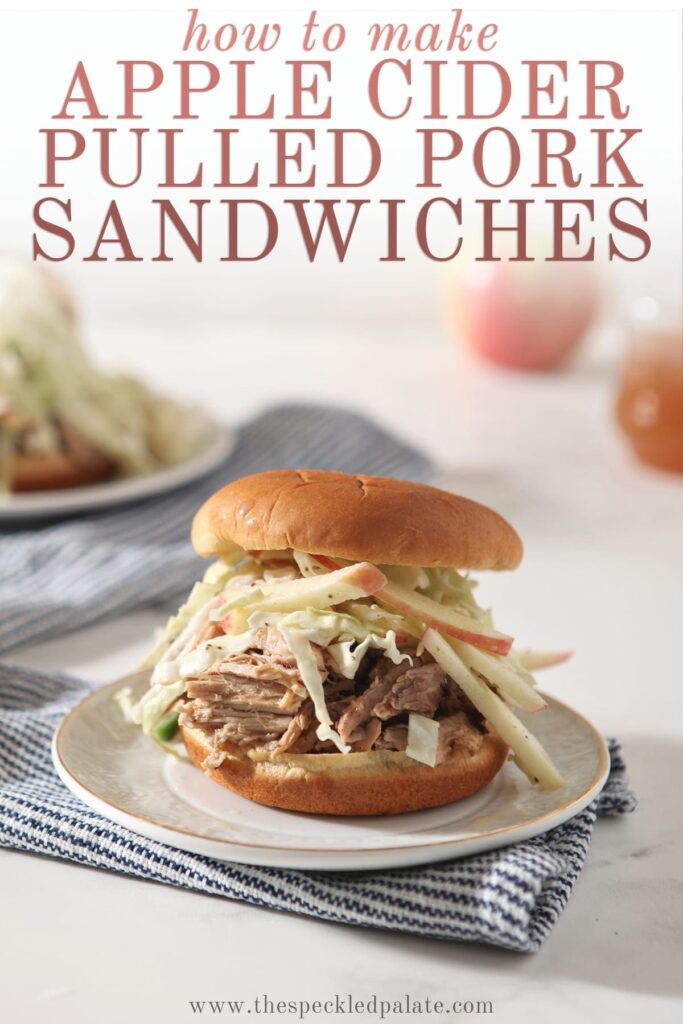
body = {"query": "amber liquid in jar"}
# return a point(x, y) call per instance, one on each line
point(650, 400)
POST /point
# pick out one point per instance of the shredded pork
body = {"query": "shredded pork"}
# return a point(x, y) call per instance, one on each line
point(256, 698)
point(457, 733)
point(419, 689)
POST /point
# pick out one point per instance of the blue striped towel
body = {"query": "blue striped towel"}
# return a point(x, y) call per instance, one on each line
point(78, 571)
point(510, 897)
point(66, 575)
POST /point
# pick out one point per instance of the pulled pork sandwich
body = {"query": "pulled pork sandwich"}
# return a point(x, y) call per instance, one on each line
point(63, 422)
point(334, 659)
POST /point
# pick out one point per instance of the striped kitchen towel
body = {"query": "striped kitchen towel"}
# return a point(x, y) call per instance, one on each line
point(510, 897)
point(72, 573)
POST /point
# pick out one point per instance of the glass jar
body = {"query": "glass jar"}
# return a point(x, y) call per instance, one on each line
point(650, 398)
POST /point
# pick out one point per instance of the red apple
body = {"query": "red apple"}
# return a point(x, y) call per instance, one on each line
point(329, 563)
point(421, 608)
point(322, 591)
point(525, 315)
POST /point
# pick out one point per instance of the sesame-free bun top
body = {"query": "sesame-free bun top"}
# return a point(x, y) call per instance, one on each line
point(355, 517)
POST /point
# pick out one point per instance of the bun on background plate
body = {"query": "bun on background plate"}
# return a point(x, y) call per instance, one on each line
point(64, 422)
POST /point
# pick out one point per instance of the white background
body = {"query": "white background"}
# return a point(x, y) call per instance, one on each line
point(39, 51)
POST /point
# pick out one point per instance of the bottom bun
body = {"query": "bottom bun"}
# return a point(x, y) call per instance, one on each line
point(373, 782)
point(55, 471)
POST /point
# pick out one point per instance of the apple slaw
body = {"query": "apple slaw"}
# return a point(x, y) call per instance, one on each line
point(315, 601)
point(51, 393)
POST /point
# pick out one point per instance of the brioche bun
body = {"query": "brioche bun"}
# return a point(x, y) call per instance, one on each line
point(359, 518)
point(373, 782)
point(58, 470)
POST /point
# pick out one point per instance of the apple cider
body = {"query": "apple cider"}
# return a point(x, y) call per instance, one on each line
point(650, 400)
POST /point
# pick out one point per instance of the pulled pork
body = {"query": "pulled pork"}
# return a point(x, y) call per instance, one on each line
point(456, 732)
point(257, 699)
point(420, 689)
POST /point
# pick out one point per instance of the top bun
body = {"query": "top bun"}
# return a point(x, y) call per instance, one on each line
point(359, 518)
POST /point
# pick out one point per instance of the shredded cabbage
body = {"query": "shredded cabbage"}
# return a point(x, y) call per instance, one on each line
point(315, 626)
point(152, 705)
point(231, 644)
point(197, 661)
point(222, 570)
point(313, 681)
point(213, 581)
point(411, 576)
point(320, 626)
point(201, 658)
point(346, 638)
point(348, 657)
point(48, 383)
point(375, 619)
point(423, 739)
point(454, 590)
point(165, 673)
point(168, 680)
point(187, 638)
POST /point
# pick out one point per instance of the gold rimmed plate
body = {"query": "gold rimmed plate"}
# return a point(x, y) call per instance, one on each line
point(127, 778)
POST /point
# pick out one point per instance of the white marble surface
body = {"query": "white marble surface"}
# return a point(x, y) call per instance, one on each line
point(602, 574)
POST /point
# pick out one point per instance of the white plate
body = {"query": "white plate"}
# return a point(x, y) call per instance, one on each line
point(127, 778)
point(70, 500)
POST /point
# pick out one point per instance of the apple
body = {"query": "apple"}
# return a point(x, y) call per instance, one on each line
point(529, 754)
point(346, 584)
point(271, 559)
point(446, 620)
point(533, 660)
point(501, 676)
point(530, 316)
point(235, 621)
point(430, 613)
point(329, 563)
